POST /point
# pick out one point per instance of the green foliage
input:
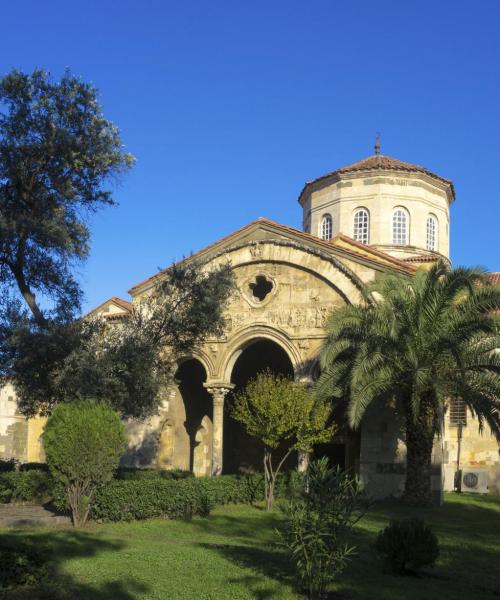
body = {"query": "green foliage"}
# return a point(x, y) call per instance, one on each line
point(83, 443)
point(137, 499)
point(282, 414)
point(408, 545)
point(414, 343)
point(124, 363)
point(58, 155)
point(316, 527)
point(127, 473)
point(22, 565)
point(25, 486)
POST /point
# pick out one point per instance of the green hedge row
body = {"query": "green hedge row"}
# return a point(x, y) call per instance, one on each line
point(25, 486)
point(128, 500)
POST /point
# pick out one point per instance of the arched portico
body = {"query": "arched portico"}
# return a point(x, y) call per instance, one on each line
point(248, 354)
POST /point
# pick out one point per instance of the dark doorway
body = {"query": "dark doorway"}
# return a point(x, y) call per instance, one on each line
point(241, 452)
point(197, 401)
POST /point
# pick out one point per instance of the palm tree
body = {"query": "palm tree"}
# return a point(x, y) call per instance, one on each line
point(415, 343)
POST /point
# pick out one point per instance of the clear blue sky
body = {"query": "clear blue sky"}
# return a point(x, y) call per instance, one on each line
point(231, 106)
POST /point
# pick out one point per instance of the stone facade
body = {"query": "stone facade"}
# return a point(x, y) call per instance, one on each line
point(288, 282)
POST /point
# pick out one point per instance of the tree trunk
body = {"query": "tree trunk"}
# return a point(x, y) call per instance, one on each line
point(28, 296)
point(269, 478)
point(419, 442)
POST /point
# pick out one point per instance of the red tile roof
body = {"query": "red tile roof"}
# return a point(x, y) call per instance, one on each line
point(397, 263)
point(379, 162)
point(123, 303)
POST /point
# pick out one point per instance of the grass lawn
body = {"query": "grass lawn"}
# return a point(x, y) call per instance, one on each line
point(231, 555)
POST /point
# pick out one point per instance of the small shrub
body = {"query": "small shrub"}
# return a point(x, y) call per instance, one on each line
point(25, 486)
point(83, 442)
point(316, 526)
point(408, 545)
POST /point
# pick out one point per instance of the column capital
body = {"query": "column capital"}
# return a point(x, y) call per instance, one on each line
point(218, 390)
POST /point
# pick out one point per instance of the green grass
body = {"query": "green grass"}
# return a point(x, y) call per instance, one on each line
point(231, 555)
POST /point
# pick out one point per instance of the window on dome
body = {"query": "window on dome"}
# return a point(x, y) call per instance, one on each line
point(431, 233)
point(326, 227)
point(361, 229)
point(400, 227)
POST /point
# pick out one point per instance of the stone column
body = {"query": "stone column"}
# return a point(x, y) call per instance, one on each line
point(218, 393)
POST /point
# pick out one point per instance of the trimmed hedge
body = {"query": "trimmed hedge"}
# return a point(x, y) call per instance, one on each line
point(25, 486)
point(128, 473)
point(128, 500)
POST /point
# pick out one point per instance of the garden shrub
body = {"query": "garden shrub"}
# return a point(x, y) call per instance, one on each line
point(83, 443)
point(137, 499)
point(315, 531)
point(128, 473)
point(25, 486)
point(408, 545)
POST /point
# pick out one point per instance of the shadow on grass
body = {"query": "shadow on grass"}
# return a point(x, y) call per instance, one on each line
point(270, 562)
point(468, 530)
point(33, 567)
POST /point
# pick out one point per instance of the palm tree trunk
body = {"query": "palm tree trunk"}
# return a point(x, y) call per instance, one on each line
point(419, 442)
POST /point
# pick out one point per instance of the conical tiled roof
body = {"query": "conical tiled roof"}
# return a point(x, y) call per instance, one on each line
point(379, 162)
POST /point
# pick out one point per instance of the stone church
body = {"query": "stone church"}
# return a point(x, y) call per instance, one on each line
point(374, 216)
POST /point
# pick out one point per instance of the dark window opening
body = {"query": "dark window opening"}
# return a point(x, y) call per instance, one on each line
point(261, 287)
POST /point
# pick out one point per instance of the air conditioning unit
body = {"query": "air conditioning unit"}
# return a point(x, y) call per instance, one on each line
point(475, 480)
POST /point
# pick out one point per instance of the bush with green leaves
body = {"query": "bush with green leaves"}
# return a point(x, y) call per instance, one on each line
point(137, 499)
point(34, 486)
point(128, 473)
point(316, 528)
point(83, 443)
point(408, 545)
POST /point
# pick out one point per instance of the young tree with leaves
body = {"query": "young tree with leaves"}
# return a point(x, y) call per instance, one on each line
point(285, 416)
point(414, 343)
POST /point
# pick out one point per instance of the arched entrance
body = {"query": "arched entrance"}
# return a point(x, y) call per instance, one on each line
point(241, 452)
point(197, 408)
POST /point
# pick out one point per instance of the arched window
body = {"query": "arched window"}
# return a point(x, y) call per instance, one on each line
point(400, 227)
point(431, 233)
point(326, 227)
point(361, 229)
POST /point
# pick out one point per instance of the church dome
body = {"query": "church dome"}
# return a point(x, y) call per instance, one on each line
point(396, 206)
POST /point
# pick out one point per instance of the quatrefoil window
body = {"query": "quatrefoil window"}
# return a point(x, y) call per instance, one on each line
point(261, 287)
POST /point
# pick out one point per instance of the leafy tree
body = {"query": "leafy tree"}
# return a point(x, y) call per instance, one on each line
point(285, 416)
point(83, 442)
point(127, 364)
point(316, 527)
point(424, 340)
point(57, 155)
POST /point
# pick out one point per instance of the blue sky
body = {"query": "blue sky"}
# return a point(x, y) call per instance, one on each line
point(230, 107)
